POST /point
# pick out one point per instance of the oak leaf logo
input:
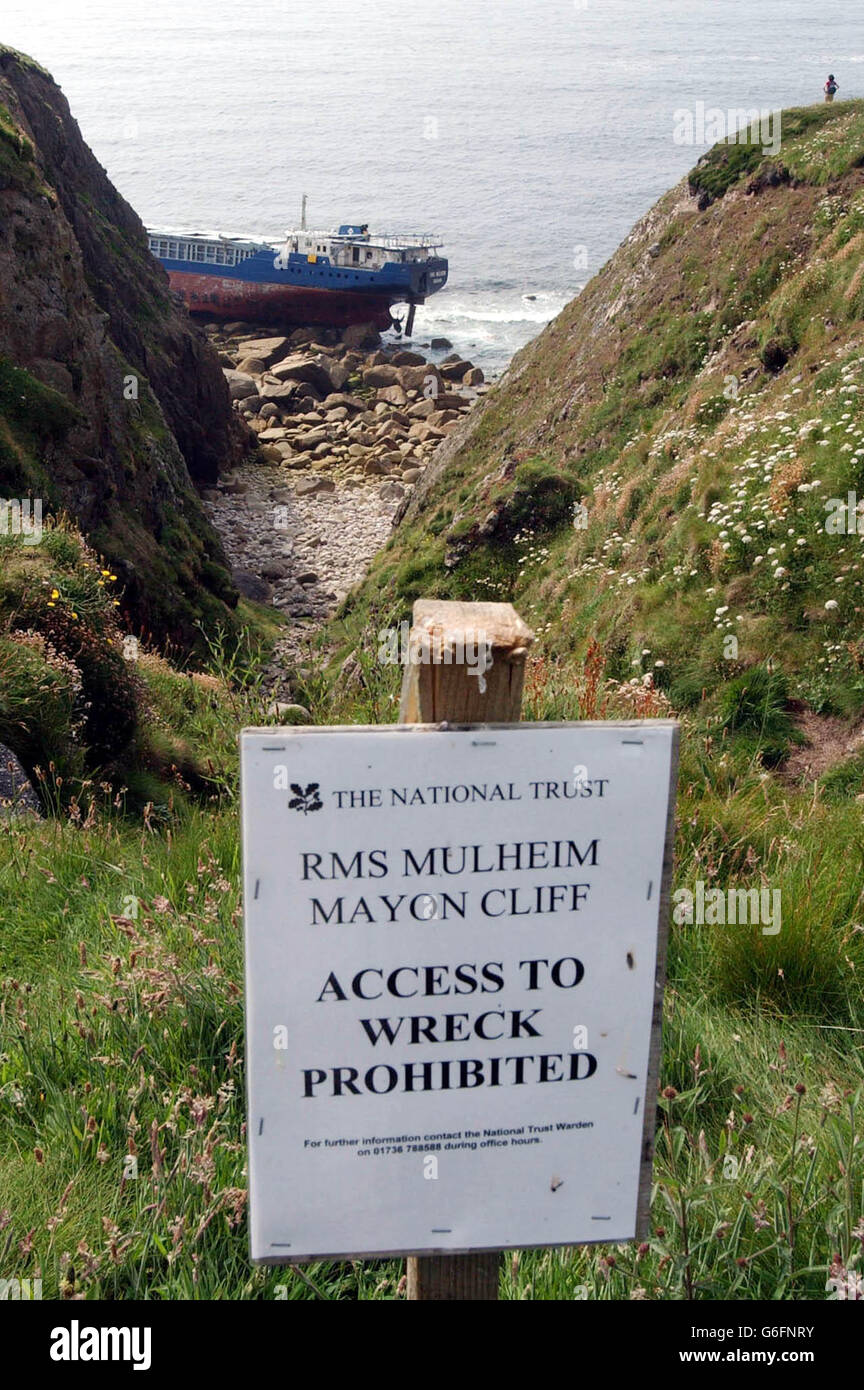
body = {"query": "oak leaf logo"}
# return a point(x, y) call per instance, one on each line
point(307, 800)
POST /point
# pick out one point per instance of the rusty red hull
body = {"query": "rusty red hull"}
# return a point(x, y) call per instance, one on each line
point(222, 298)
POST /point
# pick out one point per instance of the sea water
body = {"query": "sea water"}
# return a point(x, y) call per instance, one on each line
point(529, 134)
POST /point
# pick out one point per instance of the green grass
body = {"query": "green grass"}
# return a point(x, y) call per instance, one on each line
point(122, 1156)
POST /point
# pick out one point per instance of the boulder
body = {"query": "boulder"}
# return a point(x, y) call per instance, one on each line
point(308, 487)
point(441, 345)
point(421, 411)
point(251, 585)
point(339, 373)
point(252, 366)
point(383, 375)
point(301, 337)
point(393, 395)
point(455, 371)
point(312, 371)
point(359, 335)
point(404, 358)
point(269, 411)
point(392, 492)
point(339, 398)
point(17, 796)
point(420, 379)
point(473, 377)
point(276, 569)
point(410, 475)
point(310, 577)
point(266, 350)
point(240, 386)
point(284, 394)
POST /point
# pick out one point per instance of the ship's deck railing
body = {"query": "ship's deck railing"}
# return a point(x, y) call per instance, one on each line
point(410, 242)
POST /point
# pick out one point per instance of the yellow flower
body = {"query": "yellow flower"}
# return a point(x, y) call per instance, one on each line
point(55, 593)
point(74, 614)
point(52, 605)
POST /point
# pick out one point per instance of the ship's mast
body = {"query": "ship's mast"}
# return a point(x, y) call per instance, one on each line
point(303, 214)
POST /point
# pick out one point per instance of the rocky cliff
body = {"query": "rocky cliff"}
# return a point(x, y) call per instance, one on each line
point(112, 405)
point(671, 470)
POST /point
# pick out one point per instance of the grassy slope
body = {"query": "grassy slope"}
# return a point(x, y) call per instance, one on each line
point(133, 1025)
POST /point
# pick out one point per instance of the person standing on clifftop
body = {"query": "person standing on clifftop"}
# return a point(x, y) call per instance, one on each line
point(830, 87)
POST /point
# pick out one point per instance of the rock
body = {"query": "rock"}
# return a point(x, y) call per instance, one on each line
point(282, 394)
point(271, 453)
point(374, 468)
point(308, 487)
point(394, 395)
point(455, 371)
point(235, 486)
point(339, 398)
point(312, 371)
point(240, 386)
point(385, 375)
point(449, 400)
point(269, 411)
point(473, 377)
point(421, 411)
point(251, 585)
point(266, 350)
point(301, 337)
point(360, 335)
point(274, 432)
point(441, 345)
point(421, 379)
point(252, 366)
point(309, 577)
point(289, 714)
point(407, 359)
point(276, 569)
point(410, 475)
point(654, 250)
point(17, 796)
point(339, 374)
point(392, 492)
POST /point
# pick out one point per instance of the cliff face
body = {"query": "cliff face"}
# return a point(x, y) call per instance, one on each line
point(111, 403)
point(656, 470)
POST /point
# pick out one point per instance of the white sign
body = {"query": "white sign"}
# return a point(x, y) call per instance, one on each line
point(451, 955)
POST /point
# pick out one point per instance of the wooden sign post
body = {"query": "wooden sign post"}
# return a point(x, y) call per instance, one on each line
point(437, 690)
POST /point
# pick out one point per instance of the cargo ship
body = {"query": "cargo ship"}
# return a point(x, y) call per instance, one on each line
point(328, 278)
